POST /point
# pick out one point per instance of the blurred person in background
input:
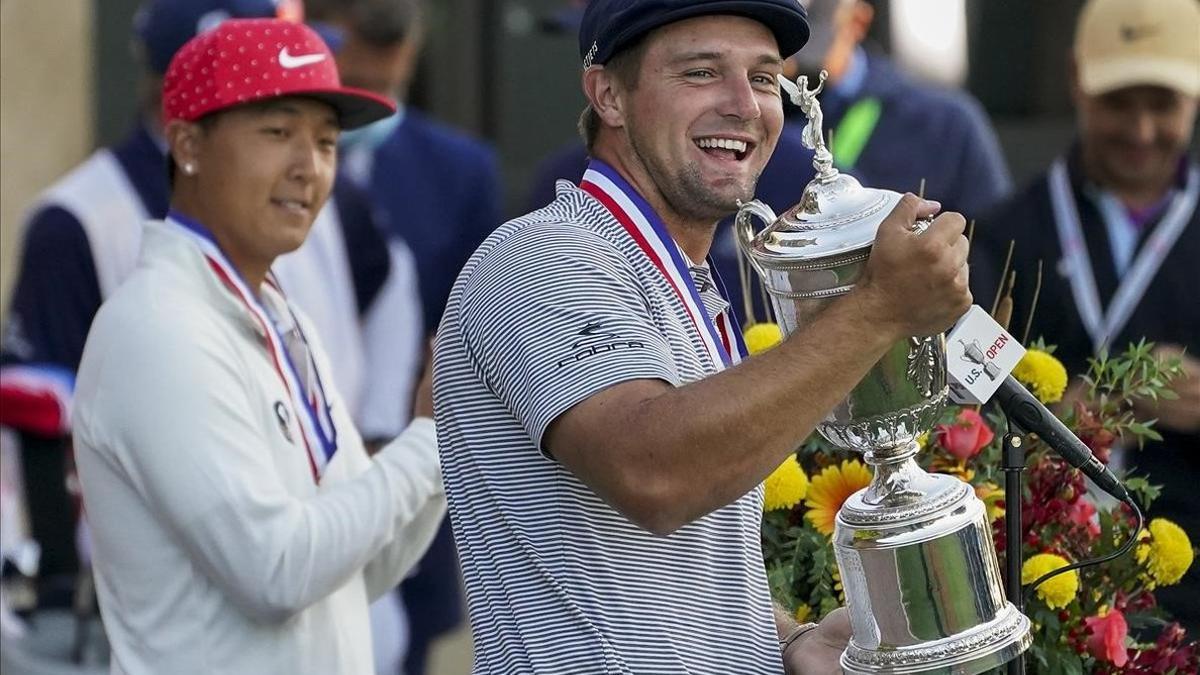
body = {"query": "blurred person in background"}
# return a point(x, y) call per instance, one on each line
point(239, 523)
point(889, 131)
point(440, 191)
point(436, 187)
point(82, 241)
point(1115, 224)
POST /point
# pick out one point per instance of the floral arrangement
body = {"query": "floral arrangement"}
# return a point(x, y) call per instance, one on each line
point(1099, 619)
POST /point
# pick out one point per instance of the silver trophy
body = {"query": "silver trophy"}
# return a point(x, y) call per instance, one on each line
point(915, 550)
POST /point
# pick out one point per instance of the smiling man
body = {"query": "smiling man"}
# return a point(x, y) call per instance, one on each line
point(603, 439)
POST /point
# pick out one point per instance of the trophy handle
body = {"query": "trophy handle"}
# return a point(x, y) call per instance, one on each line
point(743, 226)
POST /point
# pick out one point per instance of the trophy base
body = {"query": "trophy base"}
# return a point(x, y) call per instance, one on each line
point(922, 583)
point(974, 651)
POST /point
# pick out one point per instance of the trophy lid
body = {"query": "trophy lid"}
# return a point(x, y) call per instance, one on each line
point(836, 216)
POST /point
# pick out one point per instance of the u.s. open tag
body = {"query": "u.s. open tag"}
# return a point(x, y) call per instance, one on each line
point(979, 355)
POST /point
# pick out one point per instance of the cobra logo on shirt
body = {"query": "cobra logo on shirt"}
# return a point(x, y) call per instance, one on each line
point(592, 340)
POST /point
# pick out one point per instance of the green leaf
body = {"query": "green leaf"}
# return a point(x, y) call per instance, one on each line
point(1120, 368)
point(1071, 664)
point(1143, 490)
point(828, 604)
point(1139, 428)
point(779, 579)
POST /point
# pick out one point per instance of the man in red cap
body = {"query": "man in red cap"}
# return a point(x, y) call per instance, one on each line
point(239, 524)
point(80, 241)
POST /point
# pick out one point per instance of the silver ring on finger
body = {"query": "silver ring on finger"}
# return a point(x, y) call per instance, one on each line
point(920, 226)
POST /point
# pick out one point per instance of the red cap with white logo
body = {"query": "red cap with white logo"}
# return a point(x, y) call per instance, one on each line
point(247, 60)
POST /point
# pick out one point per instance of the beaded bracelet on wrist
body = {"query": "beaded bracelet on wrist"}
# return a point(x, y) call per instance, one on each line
point(796, 633)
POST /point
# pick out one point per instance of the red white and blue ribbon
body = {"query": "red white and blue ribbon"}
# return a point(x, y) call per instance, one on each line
point(314, 415)
point(1105, 324)
point(722, 339)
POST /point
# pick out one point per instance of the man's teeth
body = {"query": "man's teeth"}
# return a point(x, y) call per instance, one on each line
point(292, 204)
point(723, 143)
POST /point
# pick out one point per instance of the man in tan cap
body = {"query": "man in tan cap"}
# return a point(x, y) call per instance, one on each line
point(1115, 223)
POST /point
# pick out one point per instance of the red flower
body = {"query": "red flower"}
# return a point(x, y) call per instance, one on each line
point(1098, 439)
point(1082, 512)
point(1106, 640)
point(966, 436)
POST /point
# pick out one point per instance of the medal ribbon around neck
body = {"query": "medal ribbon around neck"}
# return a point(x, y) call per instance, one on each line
point(722, 340)
point(315, 415)
point(1101, 325)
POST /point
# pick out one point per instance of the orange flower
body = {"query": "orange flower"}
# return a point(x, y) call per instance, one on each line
point(828, 490)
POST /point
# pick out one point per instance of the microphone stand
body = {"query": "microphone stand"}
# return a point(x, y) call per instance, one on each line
point(1013, 464)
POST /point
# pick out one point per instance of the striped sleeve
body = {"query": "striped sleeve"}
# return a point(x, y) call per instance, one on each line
point(547, 330)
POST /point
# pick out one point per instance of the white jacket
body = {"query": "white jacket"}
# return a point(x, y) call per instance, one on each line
point(215, 550)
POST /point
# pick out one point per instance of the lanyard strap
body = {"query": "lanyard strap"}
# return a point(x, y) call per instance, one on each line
point(1122, 232)
point(852, 133)
point(1105, 325)
point(314, 413)
point(722, 339)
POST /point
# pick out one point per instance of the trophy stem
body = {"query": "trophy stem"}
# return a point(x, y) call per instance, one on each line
point(897, 480)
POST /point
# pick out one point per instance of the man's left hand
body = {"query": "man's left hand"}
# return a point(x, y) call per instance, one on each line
point(818, 651)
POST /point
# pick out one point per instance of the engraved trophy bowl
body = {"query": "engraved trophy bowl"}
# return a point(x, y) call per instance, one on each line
point(915, 549)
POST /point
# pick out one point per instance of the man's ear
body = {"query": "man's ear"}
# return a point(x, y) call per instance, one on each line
point(605, 94)
point(184, 141)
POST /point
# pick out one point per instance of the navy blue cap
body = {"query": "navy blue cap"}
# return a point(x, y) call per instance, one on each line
point(610, 25)
point(163, 26)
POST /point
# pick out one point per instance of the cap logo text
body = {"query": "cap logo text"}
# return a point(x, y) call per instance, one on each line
point(591, 54)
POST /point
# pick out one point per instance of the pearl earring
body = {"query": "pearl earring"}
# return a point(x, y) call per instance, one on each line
point(189, 168)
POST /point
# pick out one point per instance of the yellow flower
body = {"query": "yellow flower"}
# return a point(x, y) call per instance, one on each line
point(991, 495)
point(828, 490)
point(954, 467)
point(803, 611)
point(785, 487)
point(762, 336)
point(1057, 591)
point(1168, 553)
point(1042, 373)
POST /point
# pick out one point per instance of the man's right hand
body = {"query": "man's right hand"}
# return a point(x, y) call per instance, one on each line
point(916, 284)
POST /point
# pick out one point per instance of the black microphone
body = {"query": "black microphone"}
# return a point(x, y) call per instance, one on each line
point(1023, 408)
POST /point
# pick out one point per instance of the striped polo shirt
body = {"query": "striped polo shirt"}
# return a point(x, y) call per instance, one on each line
point(554, 307)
